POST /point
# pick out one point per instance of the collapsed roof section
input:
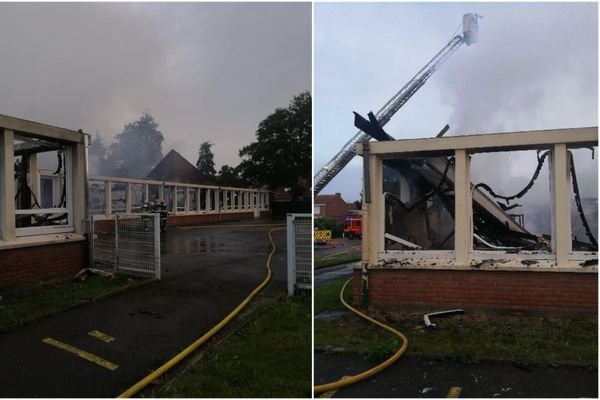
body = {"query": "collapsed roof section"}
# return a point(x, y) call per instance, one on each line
point(419, 206)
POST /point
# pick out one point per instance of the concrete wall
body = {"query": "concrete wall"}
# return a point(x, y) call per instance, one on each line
point(489, 290)
point(33, 265)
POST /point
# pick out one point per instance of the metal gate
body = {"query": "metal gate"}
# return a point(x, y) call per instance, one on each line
point(299, 253)
point(127, 244)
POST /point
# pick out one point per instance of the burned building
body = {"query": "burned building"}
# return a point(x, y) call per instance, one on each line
point(431, 236)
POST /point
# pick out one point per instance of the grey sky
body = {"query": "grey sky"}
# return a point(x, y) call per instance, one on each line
point(205, 71)
point(535, 67)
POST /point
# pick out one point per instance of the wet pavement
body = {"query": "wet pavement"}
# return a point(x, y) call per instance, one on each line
point(207, 271)
point(328, 275)
point(411, 377)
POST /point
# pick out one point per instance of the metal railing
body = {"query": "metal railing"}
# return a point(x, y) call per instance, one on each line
point(129, 244)
point(299, 253)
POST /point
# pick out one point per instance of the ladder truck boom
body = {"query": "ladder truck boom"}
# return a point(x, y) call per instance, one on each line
point(343, 157)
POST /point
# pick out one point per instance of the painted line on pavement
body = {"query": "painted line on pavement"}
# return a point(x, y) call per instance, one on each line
point(101, 336)
point(81, 353)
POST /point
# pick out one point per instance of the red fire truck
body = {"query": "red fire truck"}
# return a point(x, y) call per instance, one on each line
point(352, 228)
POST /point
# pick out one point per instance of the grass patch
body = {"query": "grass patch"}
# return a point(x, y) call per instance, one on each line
point(530, 340)
point(269, 357)
point(323, 262)
point(18, 308)
point(327, 298)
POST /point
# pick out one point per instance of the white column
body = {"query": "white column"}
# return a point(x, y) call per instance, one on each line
point(463, 205)
point(128, 195)
point(146, 195)
point(161, 193)
point(561, 209)
point(208, 200)
point(7, 185)
point(107, 197)
point(375, 241)
point(198, 200)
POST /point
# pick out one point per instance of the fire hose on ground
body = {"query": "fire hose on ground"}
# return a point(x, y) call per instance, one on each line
point(368, 373)
point(132, 391)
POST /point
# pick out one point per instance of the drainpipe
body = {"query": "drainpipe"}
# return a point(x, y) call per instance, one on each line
point(86, 207)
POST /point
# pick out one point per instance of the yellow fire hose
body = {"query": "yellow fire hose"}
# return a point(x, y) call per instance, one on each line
point(132, 391)
point(366, 374)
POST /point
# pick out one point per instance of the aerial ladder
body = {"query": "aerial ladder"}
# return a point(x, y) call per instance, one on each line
point(383, 116)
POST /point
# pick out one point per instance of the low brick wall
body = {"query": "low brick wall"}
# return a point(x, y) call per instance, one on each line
point(496, 290)
point(208, 218)
point(32, 265)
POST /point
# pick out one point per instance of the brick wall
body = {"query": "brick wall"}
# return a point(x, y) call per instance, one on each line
point(499, 290)
point(208, 218)
point(32, 265)
point(336, 209)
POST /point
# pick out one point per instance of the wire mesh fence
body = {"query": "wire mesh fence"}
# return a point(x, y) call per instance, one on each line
point(128, 244)
point(299, 253)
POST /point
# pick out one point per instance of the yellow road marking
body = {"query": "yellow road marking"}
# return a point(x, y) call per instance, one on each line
point(83, 354)
point(227, 226)
point(101, 336)
point(454, 392)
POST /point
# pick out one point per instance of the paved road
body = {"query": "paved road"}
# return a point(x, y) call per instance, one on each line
point(325, 276)
point(206, 273)
point(412, 377)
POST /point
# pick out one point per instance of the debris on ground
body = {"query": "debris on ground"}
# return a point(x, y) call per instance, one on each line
point(85, 273)
point(427, 389)
point(429, 324)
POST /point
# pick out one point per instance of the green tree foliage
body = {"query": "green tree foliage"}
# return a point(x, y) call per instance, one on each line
point(230, 176)
point(137, 149)
point(206, 163)
point(281, 154)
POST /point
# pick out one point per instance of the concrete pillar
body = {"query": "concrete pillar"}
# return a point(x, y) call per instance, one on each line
point(561, 209)
point(463, 209)
point(375, 240)
point(7, 185)
point(107, 197)
point(128, 197)
point(76, 200)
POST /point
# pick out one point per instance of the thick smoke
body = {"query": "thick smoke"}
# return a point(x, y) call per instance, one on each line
point(204, 71)
point(535, 67)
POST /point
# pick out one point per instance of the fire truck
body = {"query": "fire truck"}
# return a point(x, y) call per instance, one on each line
point(352, 228)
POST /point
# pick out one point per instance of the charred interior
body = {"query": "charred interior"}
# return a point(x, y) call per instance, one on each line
point(40, 200)
point(419, 201)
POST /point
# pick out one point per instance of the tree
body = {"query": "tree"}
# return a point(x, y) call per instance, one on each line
point(137, 150)
point(98, 155)
point(281, 154)
point(230, 176)
point(205, 162)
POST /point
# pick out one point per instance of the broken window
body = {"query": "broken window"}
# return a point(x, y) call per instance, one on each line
point(512, 202)
point(418, 195)
point(42, 205)
point(584, 199)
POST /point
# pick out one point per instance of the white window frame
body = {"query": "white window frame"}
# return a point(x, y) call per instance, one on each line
point(44, 230)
